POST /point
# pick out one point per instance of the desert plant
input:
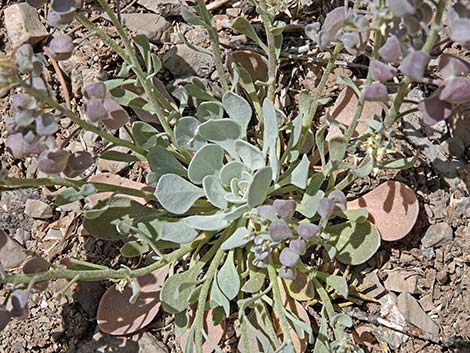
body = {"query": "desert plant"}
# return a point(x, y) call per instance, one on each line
point(249, 200)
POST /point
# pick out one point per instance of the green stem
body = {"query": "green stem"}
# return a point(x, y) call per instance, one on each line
point(76, 184)
point(43, 97)
point(272, 57)
point(404, 85)
point(313, 109)
point(201, 305)
point(215, 45)
point(278, 305)
point(360, 106)
point(102, 275)
point(153, 95)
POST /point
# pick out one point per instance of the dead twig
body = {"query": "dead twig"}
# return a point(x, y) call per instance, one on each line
point(58, 71)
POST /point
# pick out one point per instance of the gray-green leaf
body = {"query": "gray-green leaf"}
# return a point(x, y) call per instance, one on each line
point(177, 232)
point(161, 162)
point(250, 155)
point(258, 189)
point(175, 194)
point(214, 191)
point(207, 161)
point(238, 239)
point(228, 278)
point(238, 109)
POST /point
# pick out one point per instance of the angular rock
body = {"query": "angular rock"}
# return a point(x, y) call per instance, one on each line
point(437, 235)
point(401, 281)
point(376, 289)
point(23, 25)
point(38, 209)
point(181, 60)
point(164, 8)
point(12, 254)
point(148, 343)
point(153, 26)
point(415, 315)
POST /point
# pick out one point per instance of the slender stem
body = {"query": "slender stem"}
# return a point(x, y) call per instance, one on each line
point(360, 106)
point(200, 310)
point(43, 97)
point(102, 275)
point(272, 57)
point(313, 109)
point(215, 45)
point(404, 86)
point(154, 96)
point(278, 306)
point(76, 184)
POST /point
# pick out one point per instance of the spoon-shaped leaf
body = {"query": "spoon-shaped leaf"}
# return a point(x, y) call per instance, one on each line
point(117, 316)
point(393, 208)
point(176, 194)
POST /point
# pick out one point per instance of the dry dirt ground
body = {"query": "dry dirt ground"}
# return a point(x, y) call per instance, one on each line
point(437, 276)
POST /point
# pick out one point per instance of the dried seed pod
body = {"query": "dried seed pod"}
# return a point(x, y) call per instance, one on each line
point(288, 258)
point(434, 109)
point(77, 163)
point(279, 230)
point(456, 90)
point(53, 162)
point(450, 66)
point(285, 208)
point(288, 273)
point(117, 115)
point(46, 125)
point(382, 72)
point(401, 8)
point(297, 246)
point(36, 3)
point(308, 231)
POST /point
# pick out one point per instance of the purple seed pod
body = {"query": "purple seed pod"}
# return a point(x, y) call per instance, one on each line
point(382, 72)
point(456, 90)
point(401, 8)
point(19, 148)
point(53, 162)
point(23, 118)
point(288, 258)
point(95, 110)
point(288, 273)
point(46, 125)
point(77, 163)
point(36, 3)
point(38, 66)
point(308, 231)
point(285, 209)
point(459, 31)
point(61, 47)
point(23, 102)
point(414, 65)
point(339, 198)
point(297, 246)
point(266, 212)
point(279, 230)
point(375, 92)
point(5, 317)
point(434, 109)
point(451, 66)
point(311, 31)
point(333, 23)
point(326, 208)
point(65, 7)
point(117, 115)
point(95, 90)
point(58, 20)
point(391, 50)
point(19, 302)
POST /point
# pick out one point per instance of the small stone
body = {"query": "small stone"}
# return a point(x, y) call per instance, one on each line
point(437, 235)
point(426, 302)
point(38, 209)
point(22, 236)
point(375, 288)
point(402, 282)
point(181, 60)
point(164, 8)
point(23, 25)
point(233, 12)
point(113, 167)
point(148, 343)
point(415, 315)
point(12, 254)
point(442, 277)
point(153, 26)
point(462, 206)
